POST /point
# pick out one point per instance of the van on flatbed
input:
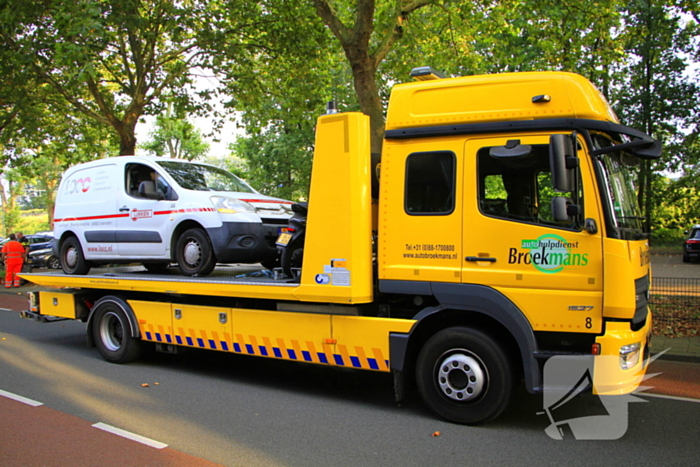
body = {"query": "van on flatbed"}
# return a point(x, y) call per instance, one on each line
point(159, 211)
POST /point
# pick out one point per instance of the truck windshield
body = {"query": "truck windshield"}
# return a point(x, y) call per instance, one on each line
point(201, 177)
point(617, 170)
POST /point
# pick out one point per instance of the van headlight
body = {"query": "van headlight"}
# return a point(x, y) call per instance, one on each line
point(230, 205)
point(629, 355)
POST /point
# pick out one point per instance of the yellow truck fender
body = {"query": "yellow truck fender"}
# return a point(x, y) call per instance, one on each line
point(467, 305)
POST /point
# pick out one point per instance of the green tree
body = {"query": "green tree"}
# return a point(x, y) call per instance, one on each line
point(654, 91)
point(176, 137)
point(367, 30)
point(111, 60)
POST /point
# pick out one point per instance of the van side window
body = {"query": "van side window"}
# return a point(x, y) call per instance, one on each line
point(520, 188)
point(136, 174)
point(430, 183)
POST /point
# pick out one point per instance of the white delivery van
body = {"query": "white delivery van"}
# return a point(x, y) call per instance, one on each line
point(156, 211)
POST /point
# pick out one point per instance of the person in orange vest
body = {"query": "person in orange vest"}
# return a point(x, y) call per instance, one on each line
point(13, 257)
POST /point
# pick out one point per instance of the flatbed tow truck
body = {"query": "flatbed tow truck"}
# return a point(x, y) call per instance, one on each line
point(499, 229)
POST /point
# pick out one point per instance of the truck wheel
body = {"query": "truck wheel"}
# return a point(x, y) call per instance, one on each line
point(194, 254)
point(464, 376)
point(110, 329)
point(72, 258)
point(292, 257)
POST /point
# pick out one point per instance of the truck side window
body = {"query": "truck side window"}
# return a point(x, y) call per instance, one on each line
point(430, 183)
point(519, 188)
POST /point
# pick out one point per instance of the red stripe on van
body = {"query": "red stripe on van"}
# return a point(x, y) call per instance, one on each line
point(114, 216)
point(90, 218)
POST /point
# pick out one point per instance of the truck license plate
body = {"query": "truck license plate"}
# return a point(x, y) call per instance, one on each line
point(283, 239)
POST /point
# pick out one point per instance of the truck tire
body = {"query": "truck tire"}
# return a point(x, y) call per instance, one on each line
point(292, 257)
point(194, 254)
point(464, 376)
point(112, 333)
point(72, 258)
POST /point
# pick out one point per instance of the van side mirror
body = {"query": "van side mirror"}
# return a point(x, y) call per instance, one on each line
point(562, 162)
point(148, 190)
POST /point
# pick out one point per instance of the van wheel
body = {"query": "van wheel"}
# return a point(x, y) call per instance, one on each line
point(111, 331)
point(464, 376)
point(194, 253)
point(72, 258)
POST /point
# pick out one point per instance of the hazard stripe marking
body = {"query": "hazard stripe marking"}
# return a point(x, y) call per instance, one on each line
point(370, 358)
point(130, 435)
point(21, 399)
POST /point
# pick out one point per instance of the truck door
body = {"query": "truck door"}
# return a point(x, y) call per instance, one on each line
point(421, 212)
point(144, 232)
point(551, 269)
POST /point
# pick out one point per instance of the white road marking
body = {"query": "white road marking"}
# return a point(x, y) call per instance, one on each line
point(21, 399)
point(129, 435)
point(663, 396)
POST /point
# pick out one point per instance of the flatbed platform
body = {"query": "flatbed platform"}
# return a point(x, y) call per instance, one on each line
point(226, 280)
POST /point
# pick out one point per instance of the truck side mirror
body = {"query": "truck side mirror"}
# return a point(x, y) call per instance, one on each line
point(563, 210)
point(562, 162)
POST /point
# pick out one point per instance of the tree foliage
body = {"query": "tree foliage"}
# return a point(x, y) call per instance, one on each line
point(110, 60)
point(175, 137)
point(653, 90)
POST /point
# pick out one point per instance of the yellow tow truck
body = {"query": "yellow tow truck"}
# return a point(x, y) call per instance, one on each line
point(499, 229)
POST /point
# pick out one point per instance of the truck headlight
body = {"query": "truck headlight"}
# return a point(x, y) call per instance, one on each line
point(230, 205)
point(629, 355)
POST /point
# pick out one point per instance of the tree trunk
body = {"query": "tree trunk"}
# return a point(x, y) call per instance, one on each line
point(365, 82)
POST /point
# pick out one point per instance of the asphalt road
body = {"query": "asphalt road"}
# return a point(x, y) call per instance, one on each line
point(673, 266)
point(246, 411)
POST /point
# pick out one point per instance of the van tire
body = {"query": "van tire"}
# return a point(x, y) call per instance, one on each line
point(194, 254)
point(72, 258)
point(464, 375)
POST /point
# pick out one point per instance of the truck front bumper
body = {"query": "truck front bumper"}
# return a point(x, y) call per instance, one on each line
point(623, 359)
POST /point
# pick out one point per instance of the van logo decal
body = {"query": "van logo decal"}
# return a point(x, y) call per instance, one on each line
point(80, 185)
point(140, 214)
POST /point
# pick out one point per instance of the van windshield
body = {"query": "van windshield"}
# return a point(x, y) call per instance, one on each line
point(201, 177)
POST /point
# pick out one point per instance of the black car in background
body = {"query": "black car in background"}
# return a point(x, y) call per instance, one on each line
point(691, 245)
point(39, 241)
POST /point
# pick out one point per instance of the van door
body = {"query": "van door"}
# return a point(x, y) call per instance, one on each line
point(551, 270)
point(146, 229)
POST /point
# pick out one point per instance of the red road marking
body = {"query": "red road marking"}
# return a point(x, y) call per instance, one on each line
point(40, 436)
point(680, 379)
